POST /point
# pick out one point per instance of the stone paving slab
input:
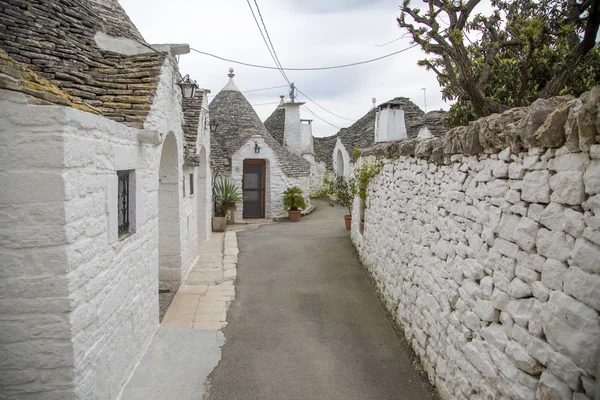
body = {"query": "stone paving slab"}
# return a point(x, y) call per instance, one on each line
point(175, 365)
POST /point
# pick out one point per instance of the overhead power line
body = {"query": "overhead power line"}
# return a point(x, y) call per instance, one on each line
point(322, 119)
point(323, 108)
point(271, 43)
point(307, 68)
point(273, 56)
point(269, 88)
point(265, 104)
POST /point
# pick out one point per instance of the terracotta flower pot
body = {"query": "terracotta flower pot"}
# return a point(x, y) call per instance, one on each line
point(219, 224)
point(348, 221)
point(294, 215)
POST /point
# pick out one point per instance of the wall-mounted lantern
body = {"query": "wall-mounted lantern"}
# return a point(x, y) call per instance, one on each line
point(188, 87)
point(213, 127)
point(256, 147)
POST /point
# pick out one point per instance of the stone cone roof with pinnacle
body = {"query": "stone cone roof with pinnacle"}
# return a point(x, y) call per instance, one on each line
point(236, 122)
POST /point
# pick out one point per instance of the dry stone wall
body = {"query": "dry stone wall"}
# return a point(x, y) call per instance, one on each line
point(485, 246)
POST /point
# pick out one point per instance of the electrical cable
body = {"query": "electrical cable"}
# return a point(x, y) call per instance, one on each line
point(306, 69)
point(264, 104)
point(269, 88)
point(267, 44)
point(323, 108)
point(316, 116)
point(270, 42)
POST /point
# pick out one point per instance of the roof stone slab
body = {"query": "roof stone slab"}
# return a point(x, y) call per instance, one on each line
point(192, 110)
point(55, 40)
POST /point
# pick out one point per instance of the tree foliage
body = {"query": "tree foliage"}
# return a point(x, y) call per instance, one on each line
point(523, 50)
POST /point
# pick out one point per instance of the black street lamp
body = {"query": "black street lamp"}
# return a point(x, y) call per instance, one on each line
point(213, 127)
point(256, 147)
point(188, 87)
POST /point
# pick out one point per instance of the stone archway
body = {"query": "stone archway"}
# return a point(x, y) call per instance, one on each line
point(204, 197)
point(339, 159)
point(169, 242)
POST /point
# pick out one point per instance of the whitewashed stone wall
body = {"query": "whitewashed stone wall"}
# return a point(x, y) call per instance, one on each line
point(318, 172)
point(276, 180)
point(341, 159)
point(490, 263)
point(78, 304)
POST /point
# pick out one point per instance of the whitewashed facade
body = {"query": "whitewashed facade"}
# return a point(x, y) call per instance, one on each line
point(79, 300)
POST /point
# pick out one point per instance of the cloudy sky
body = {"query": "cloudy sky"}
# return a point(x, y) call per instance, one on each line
point(305, 33)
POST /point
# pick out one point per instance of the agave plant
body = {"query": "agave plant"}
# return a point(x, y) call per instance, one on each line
point(293, 199)
point(225, 192)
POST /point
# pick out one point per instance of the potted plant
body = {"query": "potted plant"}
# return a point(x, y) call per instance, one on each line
point(345, 190)
point(225, 192)
point(293, 201)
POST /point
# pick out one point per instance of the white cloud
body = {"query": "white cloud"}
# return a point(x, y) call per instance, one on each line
point(305, 34)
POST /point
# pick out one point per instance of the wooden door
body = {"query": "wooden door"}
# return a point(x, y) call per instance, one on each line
point(253, 185)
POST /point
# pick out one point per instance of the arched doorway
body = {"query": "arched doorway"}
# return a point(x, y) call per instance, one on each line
point(339, 160)
point(204, 197)
point(169, 243)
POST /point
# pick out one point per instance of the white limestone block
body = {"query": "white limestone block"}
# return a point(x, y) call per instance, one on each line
point(520, 310)
point(516, 171)
point(536, 187)
point(506, 248)
point(525, 233)
point(507, 323)
point(539, 291)
point(595, 151)
point(519, 289)
point(570, 162)
point(583, 286)
point(486, 287)
point(476, 354)
point(494, 334)
point(565, 369)
point(553, 274)
point(486, 311)
point(553, 244)
point(586, 255)
point(507, 226)
point(526, 274)
point(500, 299)
point(472, 269)
point(591, 178)
point(534, 212)
point(522, 359)
point(567, 187)
point(552, 388)
point(572, 329)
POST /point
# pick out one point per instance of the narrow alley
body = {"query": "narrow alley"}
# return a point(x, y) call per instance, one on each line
point(306, 322)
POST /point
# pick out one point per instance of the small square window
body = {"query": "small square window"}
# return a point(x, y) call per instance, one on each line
point(191, 184)
point(124, 204)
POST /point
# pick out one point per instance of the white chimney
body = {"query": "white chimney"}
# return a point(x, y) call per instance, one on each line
point(389, 123)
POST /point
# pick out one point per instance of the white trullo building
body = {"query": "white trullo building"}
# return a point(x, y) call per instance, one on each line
point(243, 150)
point(105, 195)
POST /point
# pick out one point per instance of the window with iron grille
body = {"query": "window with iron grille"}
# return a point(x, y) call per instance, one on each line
point(191, 184)
point(123, 199)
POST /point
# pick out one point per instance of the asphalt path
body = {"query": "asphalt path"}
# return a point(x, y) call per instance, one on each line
point(306, 322)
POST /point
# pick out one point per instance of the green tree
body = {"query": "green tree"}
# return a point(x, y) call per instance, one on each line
point(523, 50)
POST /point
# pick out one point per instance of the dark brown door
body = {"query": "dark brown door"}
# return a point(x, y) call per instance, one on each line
point(253, 185)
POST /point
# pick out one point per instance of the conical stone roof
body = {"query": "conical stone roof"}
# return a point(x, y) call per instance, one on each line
point(237, 122)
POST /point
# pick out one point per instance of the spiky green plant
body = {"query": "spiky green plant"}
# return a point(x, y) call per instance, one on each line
point(225, 192)
point(293, 199)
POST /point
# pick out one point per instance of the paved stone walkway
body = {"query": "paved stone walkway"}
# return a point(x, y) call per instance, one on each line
point(187, 344)
point(306, 322)
point(202, 300)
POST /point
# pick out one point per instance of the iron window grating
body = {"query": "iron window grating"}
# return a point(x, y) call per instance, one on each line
point(191, 184)
point(124, 205)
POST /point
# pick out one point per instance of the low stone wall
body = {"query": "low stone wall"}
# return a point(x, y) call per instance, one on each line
point(485, 246)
